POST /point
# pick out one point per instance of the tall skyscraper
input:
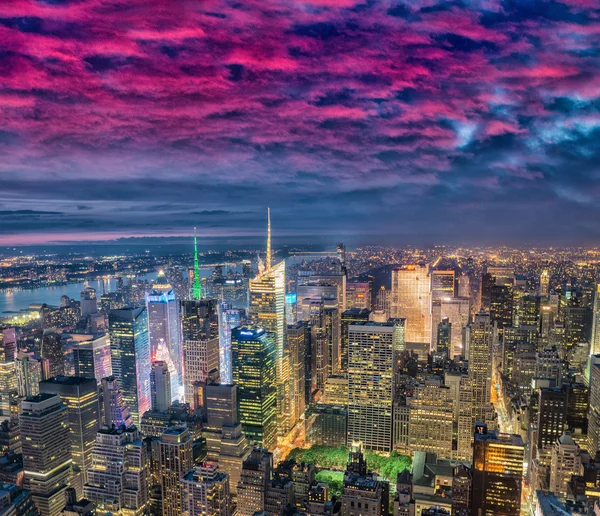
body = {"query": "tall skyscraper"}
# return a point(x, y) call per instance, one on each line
point(544, 283)
point(458, 311)
point(29, 369)
point(431, 418)
point(88, 301)
point(595, 345)
point(229, 318)
point(52, 350)
point(351, 316)
point(8, 380)
point(160, 386)
point(44, 428)
point(81, 398)
point(205, 491)
point(163, 326)
point(130, 350)
point(372, 354)
point(176, 459)
point(254, 361)
point(200, 340)
point(92, 357)
point(298, 341)
point(226, 444)
point(497, 474)
point(196, 284)
point(118, 480)
point(267, 310)
point(443, 284)
point(115, 411)
point(479, 337)
point(411, 300)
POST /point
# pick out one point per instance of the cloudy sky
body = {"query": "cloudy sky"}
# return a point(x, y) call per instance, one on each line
point(395, 121)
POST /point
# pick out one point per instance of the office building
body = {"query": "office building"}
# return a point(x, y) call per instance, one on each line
point(252, 487)
point(229, 318)
point(457, 310)
point(44, 427)
point(411, 300)
point(359, 294)
point(160, 386)
point(130, 352)
point(29, 372)
point(115, 411)
point(88, 302)
point(595, 344)
point(163, 329)
point(298, 335)
point(52, 350)
point(226, 444)
point(175, 459)
point(350, 316)
point(267, 310)
point(372, 354)
point(80, 395)
point(254, 360)
point(479, 338)
point(92, 357)
point(200, 341)
point(497, 474)
point(431, 419)
point(566, 462)
point(443, 284)
point(205, 491)
point(118, 480)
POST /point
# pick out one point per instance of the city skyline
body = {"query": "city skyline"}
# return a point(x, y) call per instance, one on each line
point(419, 121)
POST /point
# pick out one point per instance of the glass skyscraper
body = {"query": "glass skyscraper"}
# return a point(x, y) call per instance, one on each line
point(130, 351)
point(253, 353)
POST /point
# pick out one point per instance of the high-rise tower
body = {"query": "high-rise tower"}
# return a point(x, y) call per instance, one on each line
point(267, 310)
point(197, 287)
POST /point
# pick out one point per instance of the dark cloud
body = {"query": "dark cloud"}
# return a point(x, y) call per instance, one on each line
point(404, 120)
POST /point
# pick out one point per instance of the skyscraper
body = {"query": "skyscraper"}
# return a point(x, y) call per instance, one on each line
point(544, 283)
point(88, 301)
point(29, 369)
point(160, 387)
point(81, 398)
point(351, 316)
point(372, 354)
point(226, 444)
point(8, 380)
point(479, 339)
point(200, 340)
point(115, 411)
point(267, 310)
point(443, 284)
point(205, 491)
point(47, 457)
point(52, 350)
point(176, 459)
point(254, 360)
point(229, 318)
point(92, 357)
point(163, 326)
point(595, 346)
point(118, 480)
point(298, 341)
point(130, 351)
point(497, 474)
point(411, 300)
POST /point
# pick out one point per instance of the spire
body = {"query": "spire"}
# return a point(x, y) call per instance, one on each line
point(197, 289)
point(268, 259)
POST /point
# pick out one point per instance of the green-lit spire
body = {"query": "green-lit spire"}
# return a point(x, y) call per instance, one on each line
point(197, 289)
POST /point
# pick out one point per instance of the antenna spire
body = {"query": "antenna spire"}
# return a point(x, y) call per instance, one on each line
point(197, 288)
point(268, 259)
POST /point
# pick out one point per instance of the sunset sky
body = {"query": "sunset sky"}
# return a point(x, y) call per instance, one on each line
point(400, 121)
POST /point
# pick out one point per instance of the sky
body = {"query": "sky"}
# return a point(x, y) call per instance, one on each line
point(378, 121)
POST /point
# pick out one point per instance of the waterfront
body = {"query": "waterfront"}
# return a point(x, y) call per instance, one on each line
point(15, 300)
